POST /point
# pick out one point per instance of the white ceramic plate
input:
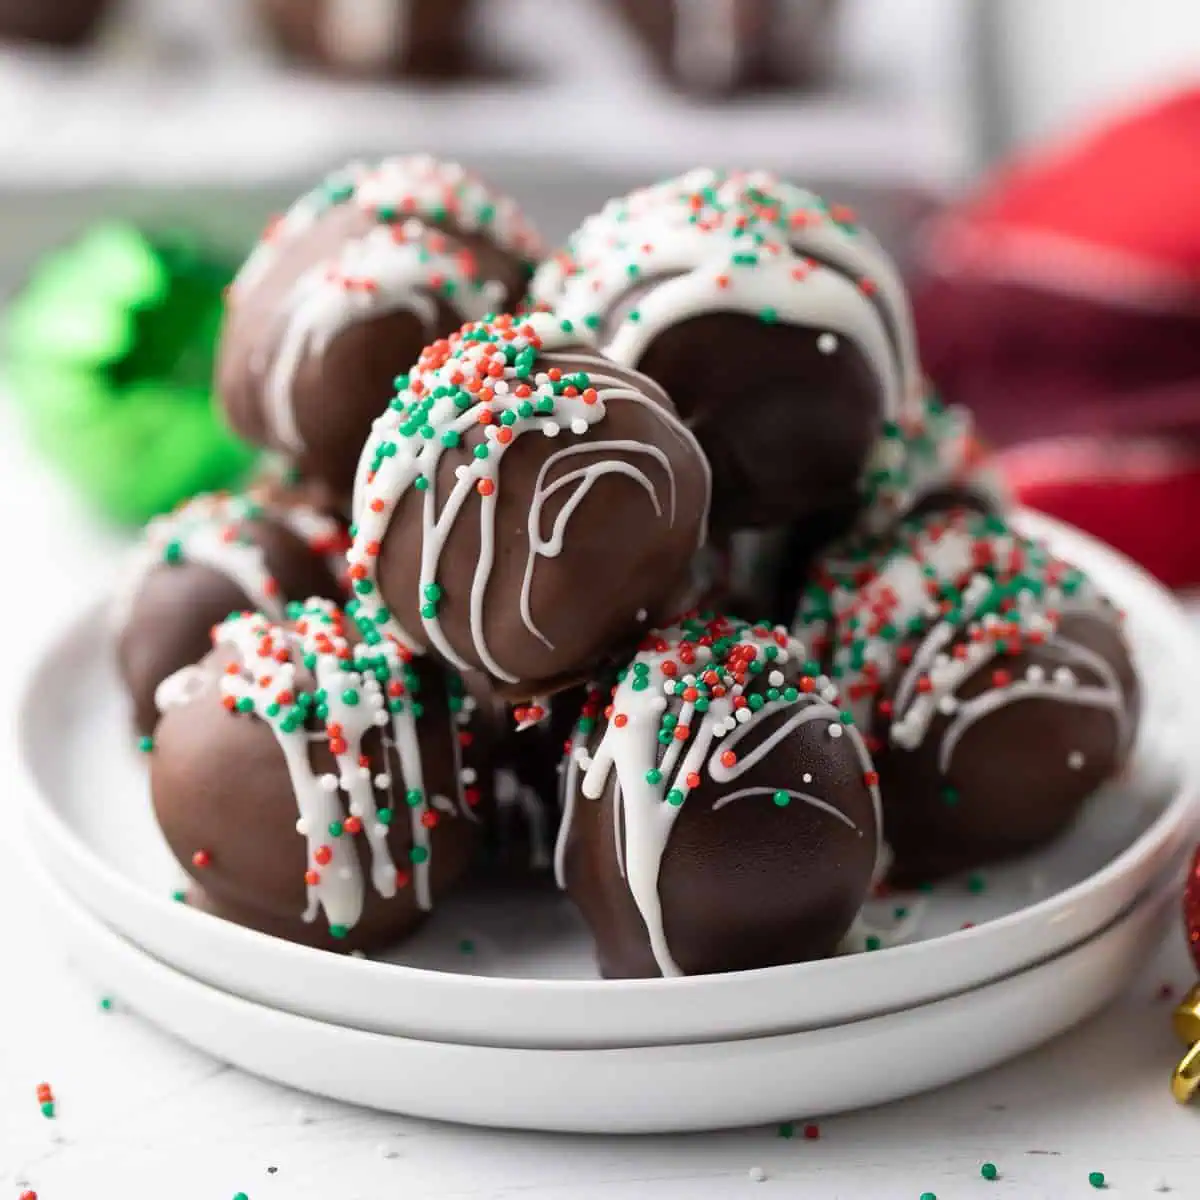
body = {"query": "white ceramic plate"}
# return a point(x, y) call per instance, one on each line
point(528, 981)
point(649, 1089)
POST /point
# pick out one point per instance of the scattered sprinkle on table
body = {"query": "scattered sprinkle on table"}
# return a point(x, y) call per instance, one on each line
point(812, 1132)
point(179, 896)
point(106, 1003)
point(757, 1174)
point(928, 1196)
point(787, 1129)
point(45, 1096)
point(976, 884)
point(29, 1196)
point(466, 946)
point(240, 1196)
point(1096, 1179)
point(989, 1171)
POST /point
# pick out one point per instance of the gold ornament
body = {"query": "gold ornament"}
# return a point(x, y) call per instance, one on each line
point(1185, 1083)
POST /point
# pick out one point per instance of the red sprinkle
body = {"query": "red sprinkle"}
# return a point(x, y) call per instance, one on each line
point(201, 859)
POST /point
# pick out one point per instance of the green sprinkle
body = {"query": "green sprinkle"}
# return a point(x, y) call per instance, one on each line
point(450, 439)
point(768, 315)
point(976, 884)
point(106, 1003)
point(145, 744)
point(350, 697)
point(338, 931)
point(179, 896)
point(787, 1129)
point(654, 775)
point(566, 326)
point(466, 946)
point(949, 796)
point(675, 797)
point(418, 854)
point(384, 816)
point(873, 943)
point(480, 451)
point(414, 798)
point(781, 798)
point(429, 611)
point(433, 591)
point(173, 552)
point(335, 829)
point(245, 705)
point(48, 1109)
point(989, 1171)
point(421, 483)
point(1096, 1179)
point(928, 1196)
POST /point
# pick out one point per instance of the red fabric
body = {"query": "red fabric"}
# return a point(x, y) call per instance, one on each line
point(1142, 498)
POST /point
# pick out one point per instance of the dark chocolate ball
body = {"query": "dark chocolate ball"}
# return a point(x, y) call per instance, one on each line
point(343, 292)
point(315, 789)
point(215, 555)
point(779, 328)
point(720, 810)
point(409, 38)
point(65, 23)
point(997, 686)
point(526, 508)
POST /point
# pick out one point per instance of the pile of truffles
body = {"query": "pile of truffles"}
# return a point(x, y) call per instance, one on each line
point(660, 540)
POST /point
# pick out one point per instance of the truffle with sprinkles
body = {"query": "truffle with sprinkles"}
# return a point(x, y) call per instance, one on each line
point(526, 508)
point(344, 290)
point(996, 687)
point(317, 782)
point(721, 810)
point(214, 555)
point(778, 326)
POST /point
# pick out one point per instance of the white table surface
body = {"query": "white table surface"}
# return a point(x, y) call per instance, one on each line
point(144, 1117)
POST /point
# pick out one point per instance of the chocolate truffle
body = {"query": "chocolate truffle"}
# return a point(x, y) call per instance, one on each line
point(392, 38)
point(64, 23)
point(525, 507)
point(212, 556)
point(779, 328)
point(315, 787)
point(996, 685)
point(720, 808)
point(718, 47)
point(344, 291)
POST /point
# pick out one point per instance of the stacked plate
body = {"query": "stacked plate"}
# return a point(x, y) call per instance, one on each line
point(492, 1015)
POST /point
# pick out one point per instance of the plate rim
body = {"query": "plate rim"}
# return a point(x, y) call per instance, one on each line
point(1161, 839)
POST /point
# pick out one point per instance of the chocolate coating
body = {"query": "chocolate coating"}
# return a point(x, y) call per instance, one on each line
point(591, 509)
point(768, 859)
point(66, 23)
point(221, 786)
point(424, 39)
point(188, 578)
point(344, 292)
point(778, 327)
point(997, 685)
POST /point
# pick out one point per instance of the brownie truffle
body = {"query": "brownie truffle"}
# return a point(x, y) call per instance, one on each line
point(426, 39)
point(720, 808)
point(525, 507)
point(215, 555)
point(314, 786)
point(779, 328)
point(996, 686)
point(345, 289)
point(718, 47)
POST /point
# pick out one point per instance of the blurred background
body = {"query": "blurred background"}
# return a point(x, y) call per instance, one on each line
point(1029, 162)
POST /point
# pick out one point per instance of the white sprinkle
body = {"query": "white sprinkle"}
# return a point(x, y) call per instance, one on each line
point(807, 777)
point(580, 426)
point(302, 827)
point(551, 429)
point(357, 810)
point(1035, 674)
point(381, 782)
point(382, 718)
point(500, 387)
point(640, 615)
point(1075, 760)
point(757, 1174)
point(775, 679)
point(830, 694)
point(827, 343)
point(467, 775)
point(358, 954)
point(1064, 677)
point(329, 783)
point(669, 687)
point(835, 731)
point(744, 715)
point(947, 705)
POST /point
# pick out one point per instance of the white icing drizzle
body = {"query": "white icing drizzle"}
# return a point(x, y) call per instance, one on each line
point(363, 33)
point(215, 530)
point(398, 458)
point(696, 222)
point(391, 268)
point(956, 645)
point(349, 702)
point(650, 785)
point(415, 185)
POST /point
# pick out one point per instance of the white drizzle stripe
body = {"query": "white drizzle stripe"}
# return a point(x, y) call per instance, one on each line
point(389, 269)
point(384, 479)
point(812, 801)
point(340, 888)
point(626, 759)
point(214, 530)
point(409, 185)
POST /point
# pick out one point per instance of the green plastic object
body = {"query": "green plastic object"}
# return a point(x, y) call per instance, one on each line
point(109, 354)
